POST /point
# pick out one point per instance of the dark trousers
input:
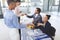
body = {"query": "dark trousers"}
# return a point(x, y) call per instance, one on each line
point(19, 33)
point(19, 29)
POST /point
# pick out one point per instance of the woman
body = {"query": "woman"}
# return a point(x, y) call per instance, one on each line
point(45, 27)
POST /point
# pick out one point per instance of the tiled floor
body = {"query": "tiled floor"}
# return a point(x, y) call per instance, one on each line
point(55, 21)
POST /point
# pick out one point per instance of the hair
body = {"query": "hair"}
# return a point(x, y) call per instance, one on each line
point(48, 16)
point(10, 1)
point(18, 0)
point(38, 9)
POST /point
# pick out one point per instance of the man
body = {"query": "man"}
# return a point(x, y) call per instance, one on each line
point(18, 13)
point(17, 9)
point(11, 20)
point(36, 17)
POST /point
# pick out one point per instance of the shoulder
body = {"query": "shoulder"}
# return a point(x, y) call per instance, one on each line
point(48, 24)
point(14, 16)
point(6, 13)
point(39, 16)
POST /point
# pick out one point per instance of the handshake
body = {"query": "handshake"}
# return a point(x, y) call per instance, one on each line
point(22, 14)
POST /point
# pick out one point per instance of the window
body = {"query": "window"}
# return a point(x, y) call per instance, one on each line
point(22, 0)
point(56, 2)
point(1, 15)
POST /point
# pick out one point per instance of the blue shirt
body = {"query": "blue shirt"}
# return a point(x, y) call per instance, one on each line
point(11, 20)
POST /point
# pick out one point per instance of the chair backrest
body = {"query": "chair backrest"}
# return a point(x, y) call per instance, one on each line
point(52, 31)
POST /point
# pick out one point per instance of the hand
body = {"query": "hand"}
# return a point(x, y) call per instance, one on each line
point(33, 25)
point(33, 21)
point(22, 14)
point(39, 24)
point(25, 14)
point(30, 26)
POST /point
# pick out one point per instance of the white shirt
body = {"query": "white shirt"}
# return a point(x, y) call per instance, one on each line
point(36, 15)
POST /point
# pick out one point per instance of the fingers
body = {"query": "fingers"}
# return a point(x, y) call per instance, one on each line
point(23, 14)
point(30, 26)
point(38, 24)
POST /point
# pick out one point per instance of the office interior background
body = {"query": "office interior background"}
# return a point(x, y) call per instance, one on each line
point(51, 7)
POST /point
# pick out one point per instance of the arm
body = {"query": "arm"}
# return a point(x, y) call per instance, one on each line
point(16, 24)
point(29, 16)
point(40, 26)
point(46, 28)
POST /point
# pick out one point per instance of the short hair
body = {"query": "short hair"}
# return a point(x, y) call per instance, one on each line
point(10, 1)
point(38, 9)
point(48, 16)
point(18, 0)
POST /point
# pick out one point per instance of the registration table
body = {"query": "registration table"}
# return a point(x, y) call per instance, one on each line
point(24, 20)
point(29, 34)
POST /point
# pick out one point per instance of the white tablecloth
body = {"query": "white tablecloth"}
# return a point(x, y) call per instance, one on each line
point(28, 34)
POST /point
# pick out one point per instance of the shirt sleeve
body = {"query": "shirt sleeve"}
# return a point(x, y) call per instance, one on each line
point(30, 16)
point(16, 24)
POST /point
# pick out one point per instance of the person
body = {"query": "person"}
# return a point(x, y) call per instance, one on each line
point(41, 31)
point(36, 17)
point(11, 20)
point(18, 13)
point(46, 27)
point(17, 10)
point(33, 32)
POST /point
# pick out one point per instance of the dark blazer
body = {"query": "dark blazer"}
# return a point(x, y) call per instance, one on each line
point(48, 29)
point(37, 19)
